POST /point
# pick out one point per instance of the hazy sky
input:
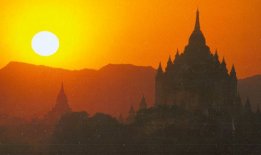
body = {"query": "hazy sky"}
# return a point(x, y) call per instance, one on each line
point(94, 33)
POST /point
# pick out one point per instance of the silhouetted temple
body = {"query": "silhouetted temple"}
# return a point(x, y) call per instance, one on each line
point(196, 79)
point(61, 107)
point(143, 103)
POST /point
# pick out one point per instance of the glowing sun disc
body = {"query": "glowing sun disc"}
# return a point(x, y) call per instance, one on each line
point(45, 43)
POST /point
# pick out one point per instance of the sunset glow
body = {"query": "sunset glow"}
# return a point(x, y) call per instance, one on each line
point(130, 77)
point(95, 33)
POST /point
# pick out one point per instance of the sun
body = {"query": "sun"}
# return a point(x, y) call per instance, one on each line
point(45, 43)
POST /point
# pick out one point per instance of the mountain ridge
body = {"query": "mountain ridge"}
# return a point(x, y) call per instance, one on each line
point(29, 90)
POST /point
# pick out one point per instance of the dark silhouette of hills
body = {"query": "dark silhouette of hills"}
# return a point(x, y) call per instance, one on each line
point(251, 87)
point(28, 90)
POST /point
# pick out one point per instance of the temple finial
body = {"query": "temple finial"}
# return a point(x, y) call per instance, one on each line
point(197, 24)
point(169, 60)
point(160, 67)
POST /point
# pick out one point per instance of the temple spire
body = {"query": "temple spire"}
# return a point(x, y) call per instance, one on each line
point(197, 24)
point(223, 62)
point(216, 57)
point(176, 57)
point(159, 72)
point(61, 107)
point(62, 98)
point(169, 63)
point(177, 53)
point(143, 103)
point(197, 38)
point(233, 73)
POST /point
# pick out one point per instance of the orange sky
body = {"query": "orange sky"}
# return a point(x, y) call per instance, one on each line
point(94, 33)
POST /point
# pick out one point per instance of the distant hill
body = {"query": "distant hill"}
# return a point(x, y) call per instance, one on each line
point(28, 90)
point(251, 87)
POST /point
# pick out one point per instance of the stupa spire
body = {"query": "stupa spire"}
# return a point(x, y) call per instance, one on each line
point(197, 38)
point(197, 24)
